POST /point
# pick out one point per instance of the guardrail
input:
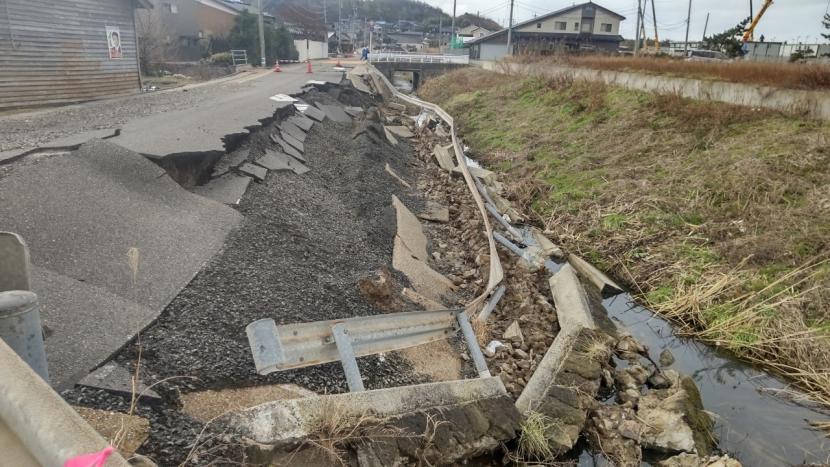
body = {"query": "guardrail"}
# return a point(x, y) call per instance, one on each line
point(381, 57)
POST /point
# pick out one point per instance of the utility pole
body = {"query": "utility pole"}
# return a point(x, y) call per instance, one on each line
point(642, 35)
point(656, 36)
point(452, 29)
point(510, 31)
point(441, 34)
point(261, 24)
point(637, 31)
point(688, 23)
point(705, 26)
point(325, 18)
point(340, 28)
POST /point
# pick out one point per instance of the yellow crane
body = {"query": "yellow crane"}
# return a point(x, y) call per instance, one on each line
point(751, 29)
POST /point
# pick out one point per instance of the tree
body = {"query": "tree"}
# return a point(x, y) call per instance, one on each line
point(826, 23)
point(153, 40)
point(278, 40)
point(729, 41)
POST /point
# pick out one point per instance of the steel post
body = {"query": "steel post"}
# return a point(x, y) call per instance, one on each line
point(510, 229)
point(491, 304)
point(347, 358)
point(472, 344)
point(20, 329)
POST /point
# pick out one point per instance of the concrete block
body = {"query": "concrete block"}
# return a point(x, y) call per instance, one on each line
point(602, 282)
point(444, 157)
point(281, 423)
point(275, 160)
point(410, 230)
point(435, 212)
point(485, 175)
point(228, 188)
point(114, 378)
point(255, 171)
point(572, 309)
point(390, 137)
point(14, 263)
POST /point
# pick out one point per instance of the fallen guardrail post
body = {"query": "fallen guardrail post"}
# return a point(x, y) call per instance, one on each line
point(472, 344)
point(491, 304)
point(513, 231)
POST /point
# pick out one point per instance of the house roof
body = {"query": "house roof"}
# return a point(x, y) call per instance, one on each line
point(546, 17)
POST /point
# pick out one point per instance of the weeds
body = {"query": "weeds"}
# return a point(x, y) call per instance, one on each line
point(534, 441)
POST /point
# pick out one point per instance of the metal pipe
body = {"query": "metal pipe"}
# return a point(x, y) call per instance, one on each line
point(472, 345)
point(491, 304)
point(510, 229)
point(347, 359)
point(20, 329)
point(508, 244)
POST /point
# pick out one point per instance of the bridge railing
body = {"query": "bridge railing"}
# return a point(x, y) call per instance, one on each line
point(380, 57)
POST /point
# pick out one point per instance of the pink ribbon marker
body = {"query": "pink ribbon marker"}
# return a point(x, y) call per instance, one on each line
point(96, 459)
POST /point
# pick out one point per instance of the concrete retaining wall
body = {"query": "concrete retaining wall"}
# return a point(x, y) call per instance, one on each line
point(814, 104)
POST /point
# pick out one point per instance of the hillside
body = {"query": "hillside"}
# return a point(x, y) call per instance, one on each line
point(386, 10)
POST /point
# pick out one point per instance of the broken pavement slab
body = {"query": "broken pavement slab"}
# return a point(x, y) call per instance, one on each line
point(303, 122)
point(335, 113)
point(115, 379)
point(255, 171)
point(435, 212)
point(209, 404)
point(311, 111)
point(410, 230)
point(227, 189)
point(294, 142)
point(67, 143)
point(276, 160)
point(602, 282)
point(289, 127)
point(390, 137)
point(444, 157)
point(354, 111)
point(228, 161)
point(287, 148)
point(401, 131)
point(423, 302)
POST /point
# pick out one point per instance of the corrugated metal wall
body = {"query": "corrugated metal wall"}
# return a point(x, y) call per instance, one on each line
point(56, 51)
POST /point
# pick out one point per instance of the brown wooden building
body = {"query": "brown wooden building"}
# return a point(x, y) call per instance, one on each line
point(56, 52)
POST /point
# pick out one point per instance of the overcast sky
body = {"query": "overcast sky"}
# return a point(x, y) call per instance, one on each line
point(786, 20)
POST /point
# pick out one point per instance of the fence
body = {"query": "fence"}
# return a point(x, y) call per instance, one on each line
point(240, 57)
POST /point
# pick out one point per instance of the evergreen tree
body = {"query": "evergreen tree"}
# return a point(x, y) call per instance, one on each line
point(729, 41)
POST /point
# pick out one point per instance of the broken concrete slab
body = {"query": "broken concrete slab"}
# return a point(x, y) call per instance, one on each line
point(293, 130)
point(294, 142)
point(354, 111)
point(396, 176)
point(276, 160)
point(207, 405)
point(602, 282)
point(283, 423)
point(335, 113)
point(14, 263)
point(131, 430)
point(303, 122)
point(547, 247)
point(410, 230)
point(435, 212)
point(227, 189)
point(287, 148)
point(71, 142)
point(401, 131)
point(423, 302)
point(114, 378)
point(572, 309)
point(514, 331)
point(255, 171)
point(485, 175)
point(425, 280)
point(444, 157)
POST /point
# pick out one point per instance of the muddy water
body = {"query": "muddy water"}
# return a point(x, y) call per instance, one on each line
point(752, 424)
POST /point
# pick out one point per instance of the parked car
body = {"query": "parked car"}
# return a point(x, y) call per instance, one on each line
point(705, 55)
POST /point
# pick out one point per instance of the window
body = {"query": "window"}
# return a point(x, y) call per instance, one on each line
point(561, 25)
point(605, 27)
point(588, 26)
point(576, 26)
point(538, 25)
point(170, 8)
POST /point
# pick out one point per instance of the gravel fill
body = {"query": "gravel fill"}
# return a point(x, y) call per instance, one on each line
point(304, 243)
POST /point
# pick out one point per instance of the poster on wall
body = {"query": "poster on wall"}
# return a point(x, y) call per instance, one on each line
point(114, 42)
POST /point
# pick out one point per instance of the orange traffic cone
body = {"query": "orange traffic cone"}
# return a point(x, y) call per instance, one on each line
point(277, 68)
point(308, 68)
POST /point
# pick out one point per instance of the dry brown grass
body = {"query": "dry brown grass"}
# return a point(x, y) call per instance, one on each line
point(781, 75)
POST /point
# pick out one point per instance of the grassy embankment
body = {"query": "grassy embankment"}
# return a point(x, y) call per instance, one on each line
point(780, 75)
point(717, 216)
